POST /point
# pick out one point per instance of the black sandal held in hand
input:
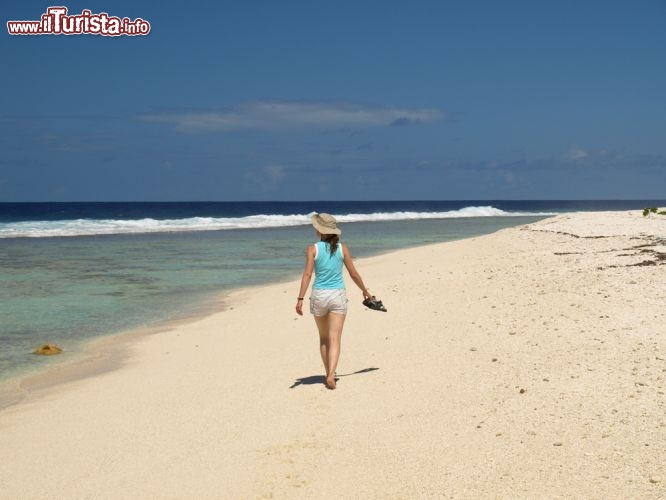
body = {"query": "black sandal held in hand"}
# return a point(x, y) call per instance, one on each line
point(374, 304)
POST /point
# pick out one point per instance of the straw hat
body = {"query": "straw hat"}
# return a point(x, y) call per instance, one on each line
point(325, 224)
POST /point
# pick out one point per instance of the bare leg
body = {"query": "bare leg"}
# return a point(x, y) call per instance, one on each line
point(322, 326)
point(335, 324)
point(330, 334)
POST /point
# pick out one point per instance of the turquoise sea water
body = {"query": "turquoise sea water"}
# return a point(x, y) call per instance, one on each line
point(68, 290)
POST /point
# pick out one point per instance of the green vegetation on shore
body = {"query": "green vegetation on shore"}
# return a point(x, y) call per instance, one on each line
point(653, 210)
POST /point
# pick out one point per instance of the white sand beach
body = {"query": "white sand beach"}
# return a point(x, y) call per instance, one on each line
point(529, 363)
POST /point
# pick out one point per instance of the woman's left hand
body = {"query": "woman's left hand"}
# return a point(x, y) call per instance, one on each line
point(299, 307)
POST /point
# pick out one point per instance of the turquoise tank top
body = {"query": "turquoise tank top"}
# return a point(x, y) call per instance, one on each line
point(328, 268)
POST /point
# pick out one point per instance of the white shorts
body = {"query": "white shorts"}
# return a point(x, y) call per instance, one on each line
point(323, 302)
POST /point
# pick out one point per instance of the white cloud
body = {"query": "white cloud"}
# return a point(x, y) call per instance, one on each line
point(608, 159)
point(268, 178)
point(293, 114)
point(274, 173)
point(575, 154)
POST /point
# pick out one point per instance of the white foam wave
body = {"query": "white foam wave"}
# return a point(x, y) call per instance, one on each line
point(89, 227)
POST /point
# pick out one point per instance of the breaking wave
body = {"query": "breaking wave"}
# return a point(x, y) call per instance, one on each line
point(90, 227)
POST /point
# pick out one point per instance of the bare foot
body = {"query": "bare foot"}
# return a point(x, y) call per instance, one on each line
point(330, 383)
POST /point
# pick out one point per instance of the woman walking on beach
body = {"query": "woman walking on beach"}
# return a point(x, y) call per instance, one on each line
point(328, 300)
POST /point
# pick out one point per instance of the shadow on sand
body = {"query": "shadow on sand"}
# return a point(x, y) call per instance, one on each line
point(321, 379)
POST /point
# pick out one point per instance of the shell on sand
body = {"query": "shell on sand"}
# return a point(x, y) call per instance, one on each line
point(47, 350)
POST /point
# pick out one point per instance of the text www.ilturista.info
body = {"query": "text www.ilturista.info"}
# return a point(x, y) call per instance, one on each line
point(56, 22)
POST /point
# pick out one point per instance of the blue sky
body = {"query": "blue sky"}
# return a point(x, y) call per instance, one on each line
point(339, 100)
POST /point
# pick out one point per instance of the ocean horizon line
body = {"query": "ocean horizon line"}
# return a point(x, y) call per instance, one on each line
point(364, 200)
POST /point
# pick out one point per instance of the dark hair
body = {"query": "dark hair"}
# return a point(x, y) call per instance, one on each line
point(332, 240)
